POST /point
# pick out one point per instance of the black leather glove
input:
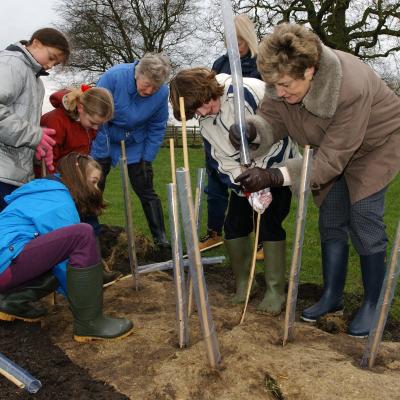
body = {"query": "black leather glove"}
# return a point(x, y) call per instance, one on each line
point(255, 179)
point(234, 134)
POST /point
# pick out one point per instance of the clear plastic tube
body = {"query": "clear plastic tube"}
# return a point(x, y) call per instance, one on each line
point(201, 173)
point(179, 273)
point(196, 268)
point(166, 265)
point(237, 80)
point(18, 375)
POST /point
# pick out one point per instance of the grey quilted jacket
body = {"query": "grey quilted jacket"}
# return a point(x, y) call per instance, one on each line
point(21, 98)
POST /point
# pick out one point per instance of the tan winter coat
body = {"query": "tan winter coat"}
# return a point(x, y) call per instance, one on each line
point(352, 120)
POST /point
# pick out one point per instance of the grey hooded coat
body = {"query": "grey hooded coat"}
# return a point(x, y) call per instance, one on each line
point(21, 98)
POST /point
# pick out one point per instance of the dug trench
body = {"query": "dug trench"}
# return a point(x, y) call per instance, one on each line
point(149, 365)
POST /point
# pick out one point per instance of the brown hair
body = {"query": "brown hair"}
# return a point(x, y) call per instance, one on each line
point(289, 50)
point(197, 86)
point(95, 102)
point(74, 169)
point(52, 38)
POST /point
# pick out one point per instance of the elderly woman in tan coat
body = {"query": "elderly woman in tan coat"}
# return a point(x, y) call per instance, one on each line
point(334, 102)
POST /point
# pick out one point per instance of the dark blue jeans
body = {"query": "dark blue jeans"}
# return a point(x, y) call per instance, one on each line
point(5, 189)
point(217, 201)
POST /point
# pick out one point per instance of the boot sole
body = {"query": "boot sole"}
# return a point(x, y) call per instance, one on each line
point(11, 318)
point(339, 312)
point(358, 336)
point(86, 339)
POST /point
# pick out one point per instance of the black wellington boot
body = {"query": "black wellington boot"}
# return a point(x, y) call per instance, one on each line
point(373, 269)
point(17, 303)
point(155, 218)
point(335, 255)
point(85, 296)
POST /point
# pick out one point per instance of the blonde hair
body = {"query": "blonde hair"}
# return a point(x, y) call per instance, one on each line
point(155, 67)
point(289, 50)
point(245, 30)
point(95, 102)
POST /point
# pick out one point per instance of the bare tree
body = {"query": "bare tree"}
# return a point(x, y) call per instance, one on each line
point(107, 32)
point(368, 29)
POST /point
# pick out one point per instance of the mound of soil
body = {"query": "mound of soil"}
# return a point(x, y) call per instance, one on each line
point(149, 365)
point(30, 347)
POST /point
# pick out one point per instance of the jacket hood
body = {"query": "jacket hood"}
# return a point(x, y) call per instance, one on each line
point(56, 99)
point(37, 185)
point(28, 58)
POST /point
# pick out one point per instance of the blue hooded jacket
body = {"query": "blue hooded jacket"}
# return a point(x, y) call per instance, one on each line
point(38, 207)
point(140, 121)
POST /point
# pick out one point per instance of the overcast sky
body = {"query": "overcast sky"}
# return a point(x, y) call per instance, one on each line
point(20, 18)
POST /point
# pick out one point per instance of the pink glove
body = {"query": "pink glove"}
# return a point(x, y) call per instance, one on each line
point(45, 148)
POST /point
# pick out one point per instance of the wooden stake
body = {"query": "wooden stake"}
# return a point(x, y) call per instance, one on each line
point(197, 206)
point(172, 158)
point(12, 378)
point(128, 216)
point(178, 267)
point(186, 166)
point(252, 269)
point(184, 135)
point(297, 246)
point(200, 287)
point(382, 309)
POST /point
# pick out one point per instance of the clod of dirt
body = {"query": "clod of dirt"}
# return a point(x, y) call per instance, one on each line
point(332, 323)
point(31, 348)
point(114, 248)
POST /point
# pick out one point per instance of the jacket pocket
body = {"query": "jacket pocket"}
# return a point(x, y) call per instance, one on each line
point(136, 137)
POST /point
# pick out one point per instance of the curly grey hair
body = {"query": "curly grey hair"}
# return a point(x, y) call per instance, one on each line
point(155, 67)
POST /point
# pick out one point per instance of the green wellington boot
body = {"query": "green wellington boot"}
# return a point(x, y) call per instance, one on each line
point(85, 296)
point(17, 303)
point(274, 272)
point(240, 253)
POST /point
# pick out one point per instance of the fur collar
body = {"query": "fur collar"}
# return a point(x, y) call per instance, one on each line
point(323, 96)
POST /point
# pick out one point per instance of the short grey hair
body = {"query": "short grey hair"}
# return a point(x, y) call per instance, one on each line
point(155, 67)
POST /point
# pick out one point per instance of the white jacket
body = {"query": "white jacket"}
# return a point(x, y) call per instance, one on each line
point(220, 153)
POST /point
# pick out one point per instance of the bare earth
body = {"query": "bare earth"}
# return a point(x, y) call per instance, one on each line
point(149, 365)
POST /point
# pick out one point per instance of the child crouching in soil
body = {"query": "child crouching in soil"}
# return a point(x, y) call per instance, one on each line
point(41, 238)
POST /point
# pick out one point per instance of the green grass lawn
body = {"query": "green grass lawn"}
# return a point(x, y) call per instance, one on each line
point(311, 269)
